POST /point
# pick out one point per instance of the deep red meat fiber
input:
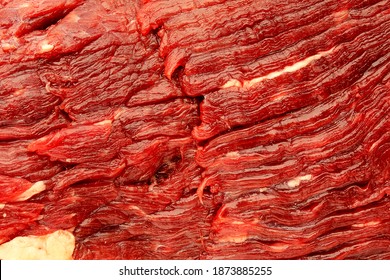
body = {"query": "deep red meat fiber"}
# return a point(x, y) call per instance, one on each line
point(208, 129)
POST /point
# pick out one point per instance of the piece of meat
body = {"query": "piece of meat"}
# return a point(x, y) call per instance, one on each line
point(145, 158)
point(16, 189)
point(277, 60)
point(67, 209)
point(289, 91)
point(86, 172)
point(17, 217)
point(155, 13)
point(173, 118)
point(42, 127)
point(21, 17)
point(141, 237)
point(80, 143)
point(268, 165)
point(163, 90)
point(312, 118)
point(208, 129)
point(17, 161)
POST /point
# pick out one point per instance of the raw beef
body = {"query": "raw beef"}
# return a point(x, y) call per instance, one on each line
point(209, 129)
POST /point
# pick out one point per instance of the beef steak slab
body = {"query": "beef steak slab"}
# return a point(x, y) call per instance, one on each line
point(209, 129)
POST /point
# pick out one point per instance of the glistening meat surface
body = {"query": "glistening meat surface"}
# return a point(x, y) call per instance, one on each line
point(210, 129)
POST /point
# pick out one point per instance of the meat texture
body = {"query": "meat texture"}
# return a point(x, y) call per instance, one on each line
point(209, 129)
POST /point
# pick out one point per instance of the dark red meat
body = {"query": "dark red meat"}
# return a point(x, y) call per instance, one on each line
point(210, 129)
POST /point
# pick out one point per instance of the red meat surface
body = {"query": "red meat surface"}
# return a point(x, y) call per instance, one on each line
point(209, 129)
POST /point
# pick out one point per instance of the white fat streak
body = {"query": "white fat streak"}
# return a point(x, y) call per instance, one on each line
point(297, 181)
point(341, 16)
point(133, 22)
point(137, 209)
point(373, 146)
point(105, 5)
point(46, 47)
point(19, 92)
point(33, 190)
point(232, 83)
point(368, 224)
point(47, 87)
point(235, 239)
point(2, 206)
point(105, 122)
point(118, 113)
point(233, 155)
point(279, 247)
point(73, 17)
point(7, 47)
point(288, 69)
point(58, 245)
point(239, 239)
